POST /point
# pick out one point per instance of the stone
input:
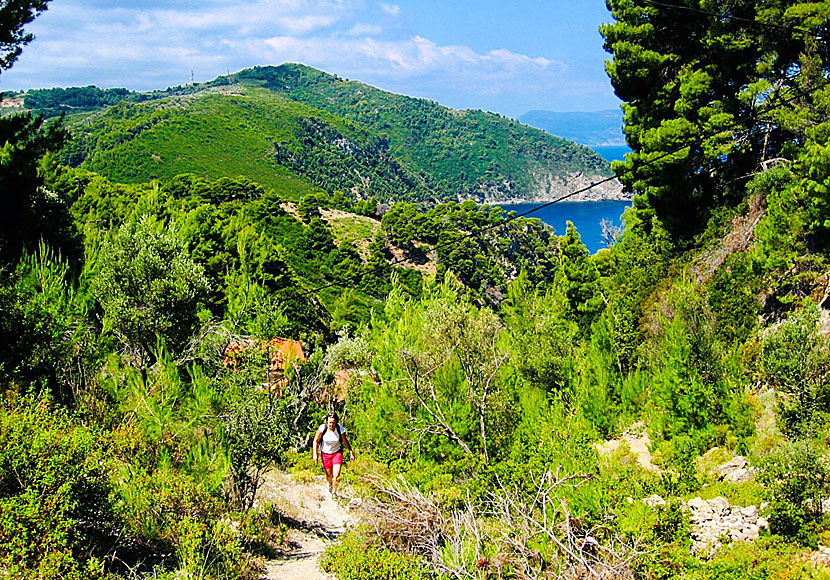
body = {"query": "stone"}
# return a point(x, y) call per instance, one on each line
point(753, 532)
point(698, 504)
point(654, 500)
point(737, 462)
point(719, 505)
point(749, 511)
point(738, 475)
point(715, 519)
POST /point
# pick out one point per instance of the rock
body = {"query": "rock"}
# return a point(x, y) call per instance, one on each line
point(716, 518)
point(719, 505)
point(749, 511)
point(654, 500)
point(735, 470)
point(698, 504)
point(752, 532)
point(737, 462)
point(738, 476)
point(638, 442)
point(821, 557)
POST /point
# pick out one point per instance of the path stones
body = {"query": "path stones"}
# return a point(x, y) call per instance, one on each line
point(715, 520)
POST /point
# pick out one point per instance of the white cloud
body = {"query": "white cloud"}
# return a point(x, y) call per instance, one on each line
point(365, 29)
point(412, 57)
point(307, 23)
point(390, 9)
point(153, 45)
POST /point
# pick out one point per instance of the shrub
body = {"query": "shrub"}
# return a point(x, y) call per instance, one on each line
point(149, 288)
point(151, 503)
point(55, 514)
point(799, 482)
point(796, 360)
point(353, 559)
point(207, 550)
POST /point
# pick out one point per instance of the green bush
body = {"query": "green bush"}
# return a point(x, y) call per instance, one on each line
point(799, 482)
point(56, 519)
point(796, 360)
point(152, 503)
point(211, 550)
point(353, 559)
point(149, 288)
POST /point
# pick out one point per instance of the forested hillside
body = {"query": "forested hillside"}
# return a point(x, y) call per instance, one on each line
point(519, 407)
point(301, 130)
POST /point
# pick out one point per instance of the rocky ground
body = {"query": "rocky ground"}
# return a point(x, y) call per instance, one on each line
point(314, 518)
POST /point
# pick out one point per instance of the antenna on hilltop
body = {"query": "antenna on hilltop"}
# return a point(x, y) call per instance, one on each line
point(191, 77)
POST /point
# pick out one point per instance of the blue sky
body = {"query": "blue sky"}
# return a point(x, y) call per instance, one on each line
point(508, 57)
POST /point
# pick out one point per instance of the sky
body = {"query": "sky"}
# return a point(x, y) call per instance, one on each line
point(508, 57)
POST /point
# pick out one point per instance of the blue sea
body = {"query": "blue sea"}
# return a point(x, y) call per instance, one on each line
point(585, 215)
point(612, 152)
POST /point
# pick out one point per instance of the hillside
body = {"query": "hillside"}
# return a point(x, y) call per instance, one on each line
point(300, 131)
point(517, 407)
point(475, 154)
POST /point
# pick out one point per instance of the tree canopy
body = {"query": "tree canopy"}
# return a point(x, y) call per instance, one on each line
point(711, 89)
point(14, 15)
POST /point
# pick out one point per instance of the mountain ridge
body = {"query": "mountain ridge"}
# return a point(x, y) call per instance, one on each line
point(298, 128)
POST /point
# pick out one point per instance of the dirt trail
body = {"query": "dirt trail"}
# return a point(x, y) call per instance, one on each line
point(315, 520)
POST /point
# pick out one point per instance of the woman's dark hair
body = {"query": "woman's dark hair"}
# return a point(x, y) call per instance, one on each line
point(333, 416)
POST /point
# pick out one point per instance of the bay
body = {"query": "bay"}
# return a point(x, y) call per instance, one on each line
point(612, 152)
point(585, 215)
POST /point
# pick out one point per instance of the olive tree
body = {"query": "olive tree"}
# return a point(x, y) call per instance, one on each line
point(149, 288)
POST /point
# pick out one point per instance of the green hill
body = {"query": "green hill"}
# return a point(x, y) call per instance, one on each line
point(301, 131)
point(470, 153)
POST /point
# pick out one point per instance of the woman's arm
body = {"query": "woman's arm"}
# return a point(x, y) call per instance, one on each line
point(314, 453)
point(348, 446)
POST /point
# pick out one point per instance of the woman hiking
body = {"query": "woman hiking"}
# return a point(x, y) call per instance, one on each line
point(329, 442)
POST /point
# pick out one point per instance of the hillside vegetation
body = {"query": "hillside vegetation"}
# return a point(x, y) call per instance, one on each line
point(519, 407)
point(300, 130)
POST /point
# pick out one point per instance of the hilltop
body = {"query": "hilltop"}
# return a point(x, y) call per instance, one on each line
point(300, 130)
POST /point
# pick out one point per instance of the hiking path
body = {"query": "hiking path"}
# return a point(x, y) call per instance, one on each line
point(314, 520)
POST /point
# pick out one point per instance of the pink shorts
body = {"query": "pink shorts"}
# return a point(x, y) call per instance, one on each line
point(330, 459)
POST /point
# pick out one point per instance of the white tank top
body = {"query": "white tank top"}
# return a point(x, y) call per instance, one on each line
point(329, 442)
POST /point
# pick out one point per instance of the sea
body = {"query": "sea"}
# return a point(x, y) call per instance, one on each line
point(585, 215)
point(611, 152)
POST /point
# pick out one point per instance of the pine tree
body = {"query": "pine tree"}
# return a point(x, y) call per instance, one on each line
point(695, 78)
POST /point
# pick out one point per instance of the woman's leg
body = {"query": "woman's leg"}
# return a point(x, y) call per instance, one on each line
point(327, 467)
point(329, 475)
point(335, 477)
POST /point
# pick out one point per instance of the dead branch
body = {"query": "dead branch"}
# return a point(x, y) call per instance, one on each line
point(433, 407)
point(403, 518)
